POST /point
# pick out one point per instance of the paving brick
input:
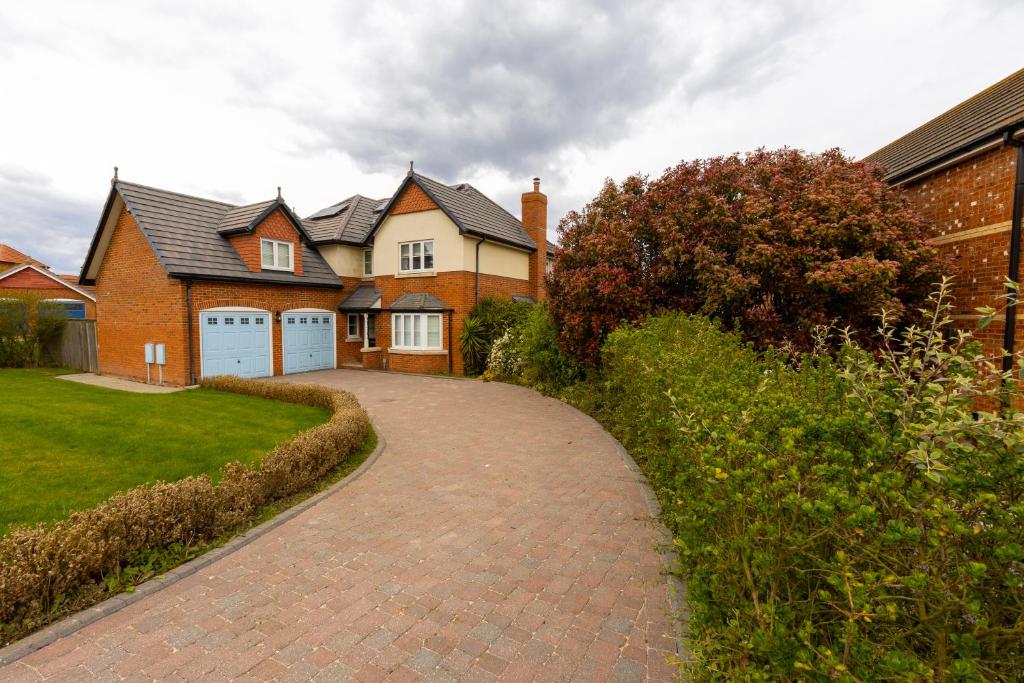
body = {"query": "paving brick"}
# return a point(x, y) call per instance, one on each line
point(499, 535)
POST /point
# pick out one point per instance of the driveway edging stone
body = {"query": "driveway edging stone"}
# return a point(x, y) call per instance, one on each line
point(75, 622)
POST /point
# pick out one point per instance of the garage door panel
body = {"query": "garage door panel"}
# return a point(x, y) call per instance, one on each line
point(308, 342)
point(235, 344)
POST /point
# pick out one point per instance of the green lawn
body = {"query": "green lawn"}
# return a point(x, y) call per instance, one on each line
point(66, 446)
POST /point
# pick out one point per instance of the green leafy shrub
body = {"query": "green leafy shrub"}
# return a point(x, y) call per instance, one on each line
point(528, 352)
point(27, 328)
point(41, 565)
point(846, 518)
point(488, 321)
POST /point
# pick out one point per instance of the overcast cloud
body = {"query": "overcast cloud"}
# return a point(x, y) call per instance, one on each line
point(232, 99)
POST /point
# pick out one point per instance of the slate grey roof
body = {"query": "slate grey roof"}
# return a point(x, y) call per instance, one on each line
point(417, 301)
point(995, 109)
point(184, 232)
point(348, 221)
point(475, 213)
point(551, 248)
point(241, 218)
point(361, 298)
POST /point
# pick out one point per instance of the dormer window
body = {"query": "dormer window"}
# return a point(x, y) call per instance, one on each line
point(277, 255)
point(416, 257)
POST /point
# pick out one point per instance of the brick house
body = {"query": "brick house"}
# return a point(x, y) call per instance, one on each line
point(22, 276)
point(964, 171)
point(255, 290)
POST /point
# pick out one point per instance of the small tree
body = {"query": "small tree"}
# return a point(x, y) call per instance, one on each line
point(28, 326)
point(774, 243)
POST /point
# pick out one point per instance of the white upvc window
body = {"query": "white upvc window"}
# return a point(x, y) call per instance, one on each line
point(353, 327)
point(416, 331)
point(277, 255)
point(367, 262)
point(416, 257)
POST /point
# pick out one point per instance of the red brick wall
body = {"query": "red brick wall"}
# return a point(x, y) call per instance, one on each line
point(413, 199)
point(970, 205)
point(535, 222)
point(273, 298)
point(138, 303)
point(456, 289)
point(30, 283)
point(276, 226)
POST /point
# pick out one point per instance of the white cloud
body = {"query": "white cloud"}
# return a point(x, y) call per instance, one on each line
point(230, 100)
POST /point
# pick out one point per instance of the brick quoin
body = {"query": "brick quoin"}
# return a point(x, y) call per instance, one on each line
point(275, 226)
point(970, 205)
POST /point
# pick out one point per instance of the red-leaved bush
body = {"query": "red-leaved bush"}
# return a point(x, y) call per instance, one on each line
point(773, 242)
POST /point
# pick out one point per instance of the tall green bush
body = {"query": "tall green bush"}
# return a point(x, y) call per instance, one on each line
point(28, 327)
point(849, 519)
point(528, 352)
point(488, 321)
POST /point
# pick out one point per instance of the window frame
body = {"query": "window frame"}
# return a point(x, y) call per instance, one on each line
point(368, 256)
point(273, 251)
point(399, 329)
point(423, 257)
point(348, 327)
point(63, 303)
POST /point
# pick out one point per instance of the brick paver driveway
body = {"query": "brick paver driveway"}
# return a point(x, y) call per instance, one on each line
point(499, 536)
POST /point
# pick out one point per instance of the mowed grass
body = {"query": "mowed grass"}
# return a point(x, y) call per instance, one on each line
point(66, 446)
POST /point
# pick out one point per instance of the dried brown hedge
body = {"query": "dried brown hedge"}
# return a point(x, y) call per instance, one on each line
point(40, 564)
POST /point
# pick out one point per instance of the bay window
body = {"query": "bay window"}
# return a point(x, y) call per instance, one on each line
point(414, 257)
point(416, 330)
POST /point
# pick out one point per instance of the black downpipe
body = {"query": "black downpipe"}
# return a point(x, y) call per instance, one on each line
point(188, 312)
point(1010, 330)
point(476, 297)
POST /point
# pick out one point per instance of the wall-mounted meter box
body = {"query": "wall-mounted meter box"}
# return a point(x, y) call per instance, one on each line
point(150, 357)
point(161, 354)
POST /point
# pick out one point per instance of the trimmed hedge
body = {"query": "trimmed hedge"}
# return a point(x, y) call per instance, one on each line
point(41, 565)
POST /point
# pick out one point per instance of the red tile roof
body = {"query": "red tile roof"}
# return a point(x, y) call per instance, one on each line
point(11, 255)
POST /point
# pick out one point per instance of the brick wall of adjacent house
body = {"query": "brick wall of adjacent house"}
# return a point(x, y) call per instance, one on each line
point(970, 205)
point(272, 298)
point(138, 303)
point(275, 226)
point(413, 199)
point(30, 283)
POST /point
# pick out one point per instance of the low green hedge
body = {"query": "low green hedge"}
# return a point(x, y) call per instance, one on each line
point(846, 518)
point(41, 565)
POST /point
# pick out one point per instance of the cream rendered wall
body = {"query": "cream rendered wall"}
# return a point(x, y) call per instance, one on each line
point(346, 261)
point(421, 225)
point(496, 259)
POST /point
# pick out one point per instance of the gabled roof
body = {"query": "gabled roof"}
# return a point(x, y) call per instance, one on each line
point(983, 117)
point(468, 208)
point(361, 298)
point(417, 301)
point(43, 271)
point(9, 254)
point(347, 222)
point(185, 234)
point(551, 247)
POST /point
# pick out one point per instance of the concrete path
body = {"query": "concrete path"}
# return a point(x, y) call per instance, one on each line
point(120, 383)
point(498, 537)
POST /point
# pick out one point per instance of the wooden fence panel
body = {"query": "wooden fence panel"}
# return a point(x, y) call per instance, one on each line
point(78, 346)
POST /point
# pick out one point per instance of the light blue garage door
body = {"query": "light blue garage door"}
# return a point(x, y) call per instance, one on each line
point(235, 343)
point(308, 341)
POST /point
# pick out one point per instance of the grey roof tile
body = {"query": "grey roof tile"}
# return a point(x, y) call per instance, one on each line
point(417, 301)
point(983, 115)
point(241, 217)
point(347, 221)
point(477, 213)
point(184, 232)
point(362, 297)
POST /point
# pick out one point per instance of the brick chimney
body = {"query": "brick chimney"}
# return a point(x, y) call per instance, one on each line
point(535, 221)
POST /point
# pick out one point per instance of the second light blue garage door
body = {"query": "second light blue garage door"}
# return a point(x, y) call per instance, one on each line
point(308, 341)
point(235, 343)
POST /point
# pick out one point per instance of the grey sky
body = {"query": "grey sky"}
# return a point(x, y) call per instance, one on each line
point(327, 99)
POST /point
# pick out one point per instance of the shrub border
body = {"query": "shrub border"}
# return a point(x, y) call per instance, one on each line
point(79, 620)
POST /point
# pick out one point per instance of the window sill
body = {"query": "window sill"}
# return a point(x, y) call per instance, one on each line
point(417, 352)
point(418, 273)
point(353, 339)
point(370, 349)
point(368, 278)
point(278, 270)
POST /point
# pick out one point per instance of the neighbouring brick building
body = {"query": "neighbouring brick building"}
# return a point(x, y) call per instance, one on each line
point(255, 290)
point(24, 278)
point(964, 171)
